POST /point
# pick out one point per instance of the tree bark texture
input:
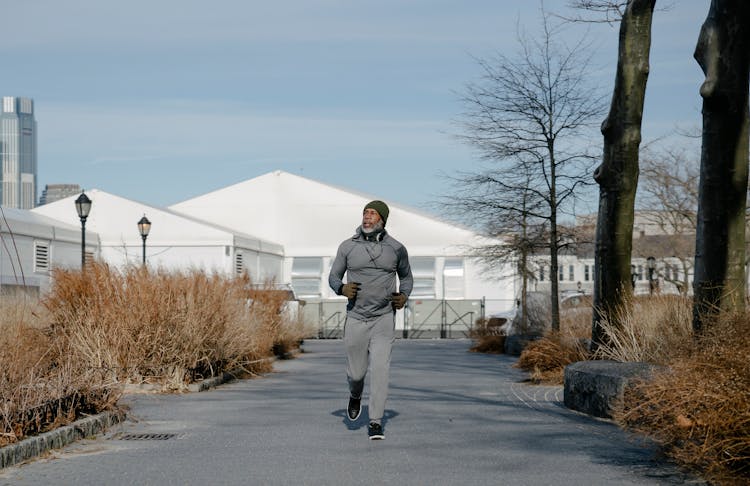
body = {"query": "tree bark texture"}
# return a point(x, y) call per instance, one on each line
point(723, 53)
point(617, 175)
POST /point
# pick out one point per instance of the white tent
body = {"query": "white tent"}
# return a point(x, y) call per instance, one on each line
point(310, 219)
point(33, 244)
point(174, 241)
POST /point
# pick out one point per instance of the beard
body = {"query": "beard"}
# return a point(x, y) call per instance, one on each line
point(376, 228)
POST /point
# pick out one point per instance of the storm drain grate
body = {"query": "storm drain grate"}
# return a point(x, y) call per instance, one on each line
point(147, 436)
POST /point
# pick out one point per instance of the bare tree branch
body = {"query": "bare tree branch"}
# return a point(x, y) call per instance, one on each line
point(527, 116)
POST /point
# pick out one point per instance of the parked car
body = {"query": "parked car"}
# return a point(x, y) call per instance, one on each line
point(576, 300)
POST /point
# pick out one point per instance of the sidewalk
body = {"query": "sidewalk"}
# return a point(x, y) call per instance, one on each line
point(453, 417)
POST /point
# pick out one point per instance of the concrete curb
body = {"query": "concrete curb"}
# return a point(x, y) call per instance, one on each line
point(228, 376)
point(209, 383)
point(57, 438)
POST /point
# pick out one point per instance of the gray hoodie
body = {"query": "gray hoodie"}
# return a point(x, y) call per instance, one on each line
point(373, 261)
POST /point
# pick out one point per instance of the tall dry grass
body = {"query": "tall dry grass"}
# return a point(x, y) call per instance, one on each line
point(698, 404)
point(146, 326)
point(42, 384)
point(72, 352)
point(698, 407)
point(653, 330)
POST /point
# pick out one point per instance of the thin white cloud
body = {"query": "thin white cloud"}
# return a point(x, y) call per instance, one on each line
point(94, 23)
point(148, 133)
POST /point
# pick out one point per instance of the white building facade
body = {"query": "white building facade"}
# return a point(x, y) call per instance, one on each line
point(175, 242)
point(310, 219)
point(32, 245)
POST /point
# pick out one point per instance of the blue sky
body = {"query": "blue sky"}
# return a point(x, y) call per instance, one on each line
point(163, 100)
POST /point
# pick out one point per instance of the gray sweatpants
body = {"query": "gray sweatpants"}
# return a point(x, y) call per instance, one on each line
point(370, 341)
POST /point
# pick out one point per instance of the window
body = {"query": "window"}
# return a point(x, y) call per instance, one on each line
point(9, 104)
point(586, 273)
point(41, 257)
point(560, 273)
point(541, 273)
point(453, 278)
point(640, 272)
point(306, 275)
point(571, 273)
point(423, 271)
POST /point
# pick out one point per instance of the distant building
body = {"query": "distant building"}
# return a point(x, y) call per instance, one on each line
point(668, 243)
point(55, 192)
point(18, 153)
point(452, 288)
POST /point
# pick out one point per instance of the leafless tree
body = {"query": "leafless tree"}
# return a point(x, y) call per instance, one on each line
point(603, 11)
point(596, 11)
point(723, 53)
point(509, 216)
point(526, 116)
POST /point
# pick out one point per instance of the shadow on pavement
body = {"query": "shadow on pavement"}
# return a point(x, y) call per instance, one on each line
point(363, 419)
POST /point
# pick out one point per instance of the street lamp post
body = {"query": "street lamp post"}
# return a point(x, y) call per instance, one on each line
point(144, 226)
point(83, 208)
point(651, 265)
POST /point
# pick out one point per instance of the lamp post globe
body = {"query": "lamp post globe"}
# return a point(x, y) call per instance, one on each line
point(83, 208)
point(144, 226)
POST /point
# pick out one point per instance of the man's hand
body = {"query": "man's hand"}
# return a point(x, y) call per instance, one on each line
point(398, 301)
point(349, 290)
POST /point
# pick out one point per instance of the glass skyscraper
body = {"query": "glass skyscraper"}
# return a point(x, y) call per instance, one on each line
point(18, 153)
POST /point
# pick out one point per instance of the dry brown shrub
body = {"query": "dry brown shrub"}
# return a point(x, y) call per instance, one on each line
point(287, 327)
point(488, 336)
point(699, 407)
point(71, 353)
point(154, 326)
point(42, 385)
point(546, 358)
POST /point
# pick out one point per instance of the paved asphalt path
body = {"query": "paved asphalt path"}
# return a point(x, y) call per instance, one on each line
point(453, 417)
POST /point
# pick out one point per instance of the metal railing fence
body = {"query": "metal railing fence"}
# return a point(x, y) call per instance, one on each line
point(421, 319)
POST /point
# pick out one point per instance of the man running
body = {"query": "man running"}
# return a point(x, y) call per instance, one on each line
point(372, 260)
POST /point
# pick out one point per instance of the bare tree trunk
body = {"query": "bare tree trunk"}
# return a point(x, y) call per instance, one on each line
point(723, 52)
point(524, 272)
point(617, 176)
point(523, 307)
point(554, 243)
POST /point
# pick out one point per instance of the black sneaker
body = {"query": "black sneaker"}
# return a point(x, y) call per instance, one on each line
point(353, 410)
point(375, 431)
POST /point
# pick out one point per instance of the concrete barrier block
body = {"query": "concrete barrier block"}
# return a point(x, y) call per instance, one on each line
point(597, 387)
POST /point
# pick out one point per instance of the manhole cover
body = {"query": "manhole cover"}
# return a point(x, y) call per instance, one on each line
point(146, 436)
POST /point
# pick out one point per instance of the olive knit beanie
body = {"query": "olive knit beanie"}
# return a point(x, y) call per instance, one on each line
point(381, 208)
